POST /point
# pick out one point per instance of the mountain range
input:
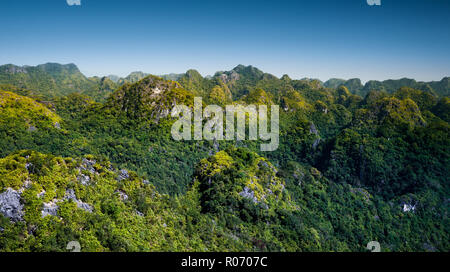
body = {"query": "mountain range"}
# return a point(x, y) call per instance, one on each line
point(93, 160)
point(53, 79)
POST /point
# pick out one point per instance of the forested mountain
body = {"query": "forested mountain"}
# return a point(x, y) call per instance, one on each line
point(49, 79)
point(52, 80)
point(93, 160)
point(440, 88)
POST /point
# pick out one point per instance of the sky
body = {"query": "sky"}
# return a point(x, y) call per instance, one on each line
point(305, 38)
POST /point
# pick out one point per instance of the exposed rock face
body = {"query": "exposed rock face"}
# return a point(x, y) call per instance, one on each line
point(122, 195)
point(88, 165)
point(249, 194)
point(139, 213)
point(313, 129)
point(123, 174)
point(316, 143)
point(70, 195)
point(50, 208)
point(264, 164)
point(408, 207)
point(83, 179)
point(231, 77)
point(10, 205)
point(26, 184)
point(152, 98)
point(12, 69)
point(41, 194)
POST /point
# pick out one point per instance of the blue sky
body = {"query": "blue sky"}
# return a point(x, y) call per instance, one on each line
point(310, 38)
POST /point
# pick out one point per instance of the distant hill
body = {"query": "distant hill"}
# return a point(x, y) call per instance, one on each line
point(51, 80)
point(150, 98)
point(348, 169)
point(440, 88)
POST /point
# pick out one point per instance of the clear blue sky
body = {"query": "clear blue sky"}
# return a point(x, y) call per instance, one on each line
point(309, 38)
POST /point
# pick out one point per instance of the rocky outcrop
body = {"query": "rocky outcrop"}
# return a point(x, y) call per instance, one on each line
point(84, 179)
point(313, 129)
point(10, 205)
point(151, 99)
point(316, 143)
point(51, 208)
point(408, 207)
point(88, 165)
point(123, 196)
point(123, 175)
point(231, 77)
point(249, 194)
point(70, 195)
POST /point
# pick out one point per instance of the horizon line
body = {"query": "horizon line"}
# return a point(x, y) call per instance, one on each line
point(99, 75)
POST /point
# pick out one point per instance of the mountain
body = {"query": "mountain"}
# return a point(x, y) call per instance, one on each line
point(151, 98)
point(114, 78)
point(25, 113)
point(49, 80)
point(52, 79)
point(133, 77)
point(107, 172)
point(334, 83)
point(438, 88)
point(172, 76)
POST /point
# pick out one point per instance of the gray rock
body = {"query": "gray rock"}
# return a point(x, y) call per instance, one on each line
point(122, 195)
point(313, 129)
point(408, 207)
point(316, 143)
point(50, 208)
point(84, 206)
point(10, 205)
point(27, 184)
point(263, 164)
point(123, 174)
point(88, 165)
point(29, 166)
point(70, 195)
point(16, 70)
point(32, 128)
point(146, 182)
point(249, 194)
point(139, 213)
point(41, 194)
point(57, 125)
point(84, 179)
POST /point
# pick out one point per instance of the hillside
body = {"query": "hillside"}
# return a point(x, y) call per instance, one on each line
point(100, 166)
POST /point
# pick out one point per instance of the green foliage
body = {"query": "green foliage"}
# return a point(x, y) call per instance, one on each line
point(345, 168)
